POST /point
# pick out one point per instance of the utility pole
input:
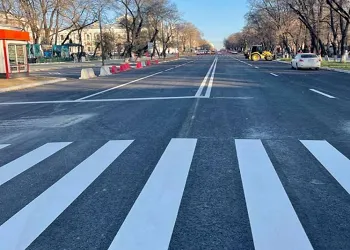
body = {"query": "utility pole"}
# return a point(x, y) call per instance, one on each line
point(177, 40)
point(101, 34)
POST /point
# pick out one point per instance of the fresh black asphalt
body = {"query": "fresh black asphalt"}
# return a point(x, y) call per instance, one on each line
point(246, 102)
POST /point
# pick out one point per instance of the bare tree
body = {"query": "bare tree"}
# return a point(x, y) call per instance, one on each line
point(168, 28)
point(132, 21)
point(77, 15)
point(342, 7)
point(40, 17)
point(312, 13)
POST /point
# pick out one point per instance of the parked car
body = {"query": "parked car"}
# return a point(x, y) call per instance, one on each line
point(306, 61)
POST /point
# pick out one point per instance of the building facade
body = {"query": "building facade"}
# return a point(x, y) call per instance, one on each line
point(91, 36)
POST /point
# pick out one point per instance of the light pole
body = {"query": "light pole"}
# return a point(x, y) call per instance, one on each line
point(177, 39)
point(101, 34)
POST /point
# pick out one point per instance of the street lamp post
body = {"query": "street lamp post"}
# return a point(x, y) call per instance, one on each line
point(101, 34)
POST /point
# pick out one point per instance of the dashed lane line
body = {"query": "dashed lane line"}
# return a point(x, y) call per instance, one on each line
point(321, 93)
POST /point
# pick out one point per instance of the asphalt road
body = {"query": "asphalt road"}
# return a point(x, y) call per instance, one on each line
point(213, 152)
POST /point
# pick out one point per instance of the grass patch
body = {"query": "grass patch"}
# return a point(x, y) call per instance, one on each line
point(336, 65)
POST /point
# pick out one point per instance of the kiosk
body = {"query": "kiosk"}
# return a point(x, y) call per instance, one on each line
point(13, 52)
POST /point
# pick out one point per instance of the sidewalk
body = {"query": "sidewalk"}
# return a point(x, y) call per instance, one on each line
point(7, 85)
point(97, 63)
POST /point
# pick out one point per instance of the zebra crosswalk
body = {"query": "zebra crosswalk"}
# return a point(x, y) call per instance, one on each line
point(155, 217)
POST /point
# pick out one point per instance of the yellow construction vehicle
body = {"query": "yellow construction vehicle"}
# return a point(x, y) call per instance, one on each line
point(258, 53)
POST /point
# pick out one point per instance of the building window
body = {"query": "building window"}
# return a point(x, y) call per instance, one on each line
point(88, 37)
point(89, 49)
point(62, 37)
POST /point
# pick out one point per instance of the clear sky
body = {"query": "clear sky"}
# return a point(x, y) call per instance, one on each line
point(215, 18)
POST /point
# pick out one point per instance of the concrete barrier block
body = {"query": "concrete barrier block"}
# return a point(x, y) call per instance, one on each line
point(114, 69)
point(105, 71)
point(143, 64)
point(92, 73)
point(87, 73)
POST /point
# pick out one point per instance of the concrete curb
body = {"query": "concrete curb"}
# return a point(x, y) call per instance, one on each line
point(65, 66)
point(31, 85)
point(336, 70)
point(283, 62)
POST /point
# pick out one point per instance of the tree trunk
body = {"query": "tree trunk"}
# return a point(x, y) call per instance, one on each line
point(344, 26)
point(97, 45)
point(322, 48)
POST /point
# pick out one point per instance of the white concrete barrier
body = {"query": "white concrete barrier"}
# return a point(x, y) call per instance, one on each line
point(143, 64)
point(87, 73)
point(105, 71)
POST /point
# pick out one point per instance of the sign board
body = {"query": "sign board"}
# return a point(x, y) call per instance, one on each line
point(150, 47)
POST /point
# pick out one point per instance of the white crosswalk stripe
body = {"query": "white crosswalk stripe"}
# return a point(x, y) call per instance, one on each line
point(150, 222)
point(267, 202)
point(14, 168)
point(334, 161)
point(4, 145)
point(24, 227)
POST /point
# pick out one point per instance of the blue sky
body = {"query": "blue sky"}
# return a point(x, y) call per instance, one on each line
point(216, 19)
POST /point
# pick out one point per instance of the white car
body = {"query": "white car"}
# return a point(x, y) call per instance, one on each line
point(306, 61)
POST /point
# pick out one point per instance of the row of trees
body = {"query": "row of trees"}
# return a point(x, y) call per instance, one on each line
point(319, 26)
point(144, 21)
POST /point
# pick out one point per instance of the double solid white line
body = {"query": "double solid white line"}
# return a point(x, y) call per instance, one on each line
point(210, 84)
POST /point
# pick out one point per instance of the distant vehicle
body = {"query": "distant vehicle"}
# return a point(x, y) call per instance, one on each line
point(202, 52)
point(306, 61)
point(258, 53)
point(234, 52)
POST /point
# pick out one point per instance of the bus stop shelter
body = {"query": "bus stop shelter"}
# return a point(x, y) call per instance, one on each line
point(13, 52)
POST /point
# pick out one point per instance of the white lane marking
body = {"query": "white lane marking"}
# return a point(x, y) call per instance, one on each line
point(168, 69)
point(334, 161)
point(182, 64)
point(274, 223)
point(210, 84)
point(273, 74)
point(124, 84)
point(103, 100)
point(321, 93)
point(199, 91)
point(234, 97)
point(119, 86)
point(151, 220)
point(243, 62)
point(4, 145)
point(23, 163)
point(25, 226)
point(256, 67)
